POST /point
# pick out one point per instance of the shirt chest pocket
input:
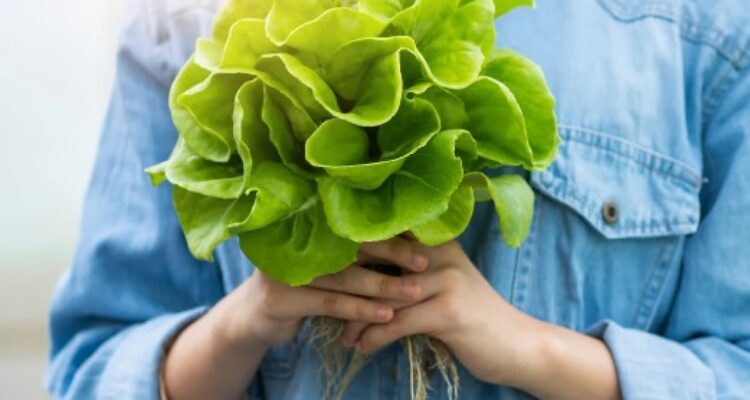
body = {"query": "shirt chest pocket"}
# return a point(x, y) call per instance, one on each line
point(622, 190)
point(611, 219)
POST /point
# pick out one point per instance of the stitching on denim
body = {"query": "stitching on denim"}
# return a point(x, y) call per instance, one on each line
point(677, 179)
point(516, 267)
point(521, 260)
point(713, 104)
point(668, 256)
point(712, 37)
point(656, 227)
point(688, 175)
point(713, 99)
point(528, 254)
point(736, 57)
point(561, 191)
point(641, 314)
point(652, 166)
point(609, 136)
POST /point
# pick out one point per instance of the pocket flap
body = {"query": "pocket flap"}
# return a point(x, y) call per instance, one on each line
point(623, 190)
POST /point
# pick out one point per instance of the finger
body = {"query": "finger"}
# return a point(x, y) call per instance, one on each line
point(410, 321)
point(353, 329)
point(435, 281)
point(352, 332)
point(402, 252)
point(364, 282)
point(317, 302)
point(398, 304)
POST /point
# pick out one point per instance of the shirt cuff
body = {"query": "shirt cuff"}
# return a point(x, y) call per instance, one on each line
point(134, 371)
point(651, 367)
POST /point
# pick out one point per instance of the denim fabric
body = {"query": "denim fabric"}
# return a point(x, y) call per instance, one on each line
point(641, 235)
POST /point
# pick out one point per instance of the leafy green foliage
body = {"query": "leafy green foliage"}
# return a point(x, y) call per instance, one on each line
point(308, 127)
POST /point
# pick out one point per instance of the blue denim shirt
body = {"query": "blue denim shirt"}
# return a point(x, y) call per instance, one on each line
point(641, 235)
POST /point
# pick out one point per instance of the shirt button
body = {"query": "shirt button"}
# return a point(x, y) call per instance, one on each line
point(611, 212)
point(394, 372)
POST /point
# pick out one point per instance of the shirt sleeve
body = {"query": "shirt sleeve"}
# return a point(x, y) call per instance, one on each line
point(705, 351)
point(133, 283)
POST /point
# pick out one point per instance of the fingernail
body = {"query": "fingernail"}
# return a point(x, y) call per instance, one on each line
point(420, 261)
point(383, 313)
point(410, 289)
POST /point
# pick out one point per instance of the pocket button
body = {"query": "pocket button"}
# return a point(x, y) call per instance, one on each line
point(611, 212)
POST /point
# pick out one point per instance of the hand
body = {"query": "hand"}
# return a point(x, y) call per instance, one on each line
point(215, 356)
point(272, 313)
point(496, 342)
point(456, 305)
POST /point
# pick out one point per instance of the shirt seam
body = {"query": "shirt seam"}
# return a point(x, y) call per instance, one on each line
point(675, 169)
point(641, 311)
point(648, 303)
point(667, 266)
point(718, 94)
point(653, 227)
point(725, 45)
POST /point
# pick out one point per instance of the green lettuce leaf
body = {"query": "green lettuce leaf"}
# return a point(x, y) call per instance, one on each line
point(299, 248)
point(453, 37)
point(495, 120)
point(157, 173)
point(274, 193)
point(198, 175)
point(333, 29)
point(526, 81)
point(410, 130)
point(208, 144)
point(251, 135)
point(308, 127)
point(208, 108)
point(502, 7)
point(203, 219)
point(412, 196)
point(514, 203)
point(451, 223)
point(385, 9)
point(286, 16)
point(246, 43)
point(236, 10)
point(278, 193)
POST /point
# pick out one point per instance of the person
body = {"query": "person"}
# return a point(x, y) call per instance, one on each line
point(634, 281)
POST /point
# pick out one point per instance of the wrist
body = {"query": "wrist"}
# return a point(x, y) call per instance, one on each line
point(544, 354)
point(561, 363)
point(530, 354)
point(212, 358)
point(235, 326)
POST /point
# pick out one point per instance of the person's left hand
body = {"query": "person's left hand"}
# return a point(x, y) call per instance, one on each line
point(456, 305)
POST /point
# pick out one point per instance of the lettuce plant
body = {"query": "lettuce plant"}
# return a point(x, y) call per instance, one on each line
point(307, 127)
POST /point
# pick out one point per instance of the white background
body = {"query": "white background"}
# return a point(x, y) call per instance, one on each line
point(56, 72)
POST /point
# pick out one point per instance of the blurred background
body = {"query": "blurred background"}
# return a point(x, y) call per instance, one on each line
point(56, 73)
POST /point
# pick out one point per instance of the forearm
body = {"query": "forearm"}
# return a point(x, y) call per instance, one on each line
point(206, 361)
point(563, 364)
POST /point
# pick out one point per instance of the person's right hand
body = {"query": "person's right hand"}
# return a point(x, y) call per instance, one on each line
point(216, 355)
point(270, 313)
